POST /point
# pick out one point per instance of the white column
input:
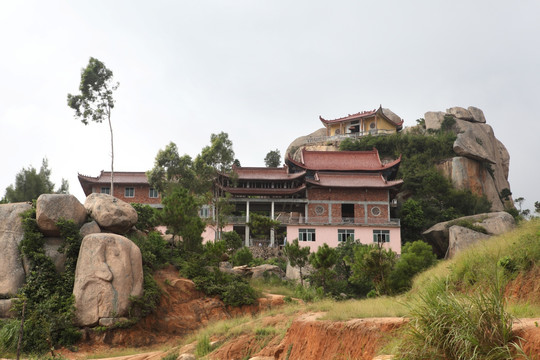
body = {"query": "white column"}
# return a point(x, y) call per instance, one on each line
point(306, 213)
point(272, 231)
point(246, 241)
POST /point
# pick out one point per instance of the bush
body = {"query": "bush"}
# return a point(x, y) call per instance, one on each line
point(415, 257)
point(242, 256)
point(147, 219)
point(233, 241)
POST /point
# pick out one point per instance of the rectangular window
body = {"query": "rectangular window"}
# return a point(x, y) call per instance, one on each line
point(153, 194)
point(129, 192)
point(106, 190)
point(344, 234)
point(204, 212)
point(306, 234)
point(381, 236)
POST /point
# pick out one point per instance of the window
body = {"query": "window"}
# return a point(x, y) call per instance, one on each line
point(129, 192)
point(381, 236)
point(106, 190)
point(204, 212)
point(306, 234)
point(153, 194)
point(347, 213)
point(375, 211)
point(344, 234)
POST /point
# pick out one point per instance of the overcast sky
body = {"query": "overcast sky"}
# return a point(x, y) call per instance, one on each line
point(261, 71)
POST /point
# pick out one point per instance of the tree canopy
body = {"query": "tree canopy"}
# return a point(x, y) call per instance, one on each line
point(273, 158)
point(29, 184)
point(95, 101)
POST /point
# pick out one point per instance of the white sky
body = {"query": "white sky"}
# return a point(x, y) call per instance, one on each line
point(262, 71)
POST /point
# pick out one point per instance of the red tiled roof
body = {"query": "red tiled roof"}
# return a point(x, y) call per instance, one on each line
point(362, 115)
point(342, 161)
point(127, 177)
point(265, 173)
point(353, 180)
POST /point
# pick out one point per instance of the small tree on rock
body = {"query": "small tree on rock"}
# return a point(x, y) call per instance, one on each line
point(297, 256)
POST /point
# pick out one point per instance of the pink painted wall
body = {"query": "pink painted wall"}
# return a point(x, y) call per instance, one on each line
point(329, 235)
point(209, 233)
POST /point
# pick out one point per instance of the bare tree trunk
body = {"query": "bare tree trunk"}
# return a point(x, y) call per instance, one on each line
point(112, 154)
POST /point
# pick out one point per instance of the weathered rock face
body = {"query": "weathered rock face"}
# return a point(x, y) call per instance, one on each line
point(51, 247)
point(109, 271)
point(5, 308)
point(259, 271)
point(302, 141)
point(51, 207)
point(89, 228)
point(488, 161)
point(110, 213)
point(494, 223)
point(460, 238)
point(12, 273)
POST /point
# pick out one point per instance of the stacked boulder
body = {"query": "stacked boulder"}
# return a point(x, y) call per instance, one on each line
point(482, 162)
point(109, 266)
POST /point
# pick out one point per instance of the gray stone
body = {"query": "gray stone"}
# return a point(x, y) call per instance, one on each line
point(5, 308)
point(110, 321)
point(51, 246)
point(110, 213)
point(259, 271)
point(90, 228)
point(109, 271)
point(51, 207)
point(495, 223)
point(12, 273)
point(186, 357)
point(392, 115)
point(301, 141)
point(434, 119)
point(477, 114)
point(460, 113)
point(460, 238)
point(476, 142)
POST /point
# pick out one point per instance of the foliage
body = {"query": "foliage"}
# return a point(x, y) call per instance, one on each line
point(95, 102)
point(46, 295)
point(432, 197)
point(232, 289)
point(297, 256)
point(242, 256)
point(180, 215)
point(469, 225)
point(233, 241)
point(415, 257)
point(147, 218)
point(214, 252)
point(375, 263)
point(272, 159)
point(345, 252)
point(260, 225)
point(203, 347)
point(446, 325)
point(323, 262)
point(29, 184)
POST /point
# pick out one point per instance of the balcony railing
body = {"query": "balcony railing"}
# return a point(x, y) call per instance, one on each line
point(355, 135)
point(300, 220)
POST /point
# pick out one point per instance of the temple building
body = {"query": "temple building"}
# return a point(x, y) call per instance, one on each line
point(374, 122)
point(325, 197)
point(131, 187)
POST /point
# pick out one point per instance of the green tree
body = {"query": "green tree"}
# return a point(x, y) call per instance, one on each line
point(298, 256)
point(180, 215)
point(260, 225)
point(376, 263)
point(29, 184)
point(415, 257)
point(273, 158)
point(323, 262)
point(233, 241)
point(95, 102)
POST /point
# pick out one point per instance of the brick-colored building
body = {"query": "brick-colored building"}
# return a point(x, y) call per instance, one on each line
point(131, 187)
point(325, 197)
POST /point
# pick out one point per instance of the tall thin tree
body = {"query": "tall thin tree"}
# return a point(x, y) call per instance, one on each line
point(95, 101)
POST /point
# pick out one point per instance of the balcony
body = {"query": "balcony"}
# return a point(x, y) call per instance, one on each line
point(354, 135)
point(301, 220)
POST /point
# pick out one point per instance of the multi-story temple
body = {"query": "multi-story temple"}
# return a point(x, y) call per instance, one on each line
point(324, 197)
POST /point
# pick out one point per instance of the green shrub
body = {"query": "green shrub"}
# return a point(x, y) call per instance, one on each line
point(203, 347)
point(232, 240)
point(415, 257)
point(147, 219)
point(232, 289)
point(242, 256)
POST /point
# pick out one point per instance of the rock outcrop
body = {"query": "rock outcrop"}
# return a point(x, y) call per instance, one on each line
point(109, 271)
point(110, 213)
point(445, 244)
point(482, 162)
point(12, 273)
point(51, 207)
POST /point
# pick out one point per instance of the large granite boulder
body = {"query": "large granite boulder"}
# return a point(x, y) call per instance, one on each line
point(495, 223)
point(460, 113)
point(109, 271)
point(317, 136)
point(434, 119)
point(460, 238)
point(51, 207)
point(476, 141)
point(12, 273)
point(477, 114)
point(259, 271)
point(110, 213)
point(89, 228)
point(51, 246)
